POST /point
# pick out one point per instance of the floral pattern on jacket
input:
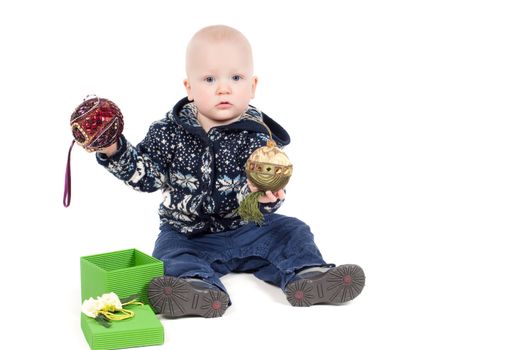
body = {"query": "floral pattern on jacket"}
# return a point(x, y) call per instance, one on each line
point(201, 175)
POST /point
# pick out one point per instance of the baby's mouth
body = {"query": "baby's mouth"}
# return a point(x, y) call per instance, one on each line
point(223, 104)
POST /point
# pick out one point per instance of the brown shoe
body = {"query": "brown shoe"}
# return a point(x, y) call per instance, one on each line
point(177, 297)
point(337, 285)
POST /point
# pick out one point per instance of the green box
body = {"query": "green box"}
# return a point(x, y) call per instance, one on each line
point(143, 329)
point(126, 272)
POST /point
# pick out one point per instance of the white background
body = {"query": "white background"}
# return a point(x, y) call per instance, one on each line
point(408, 124)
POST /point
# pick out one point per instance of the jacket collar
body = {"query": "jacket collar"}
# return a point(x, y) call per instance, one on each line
point(184, 113)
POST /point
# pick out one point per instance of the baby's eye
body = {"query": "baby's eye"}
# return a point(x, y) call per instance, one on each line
point(209, 79)
point(236, 77)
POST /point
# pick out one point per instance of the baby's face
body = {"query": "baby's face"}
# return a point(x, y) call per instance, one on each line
point(220, 80)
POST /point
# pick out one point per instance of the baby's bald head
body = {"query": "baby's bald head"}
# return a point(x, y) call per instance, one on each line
point(220, 79)
point(213, 35)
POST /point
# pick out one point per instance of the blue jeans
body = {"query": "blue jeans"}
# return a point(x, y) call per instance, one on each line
point(274, 252)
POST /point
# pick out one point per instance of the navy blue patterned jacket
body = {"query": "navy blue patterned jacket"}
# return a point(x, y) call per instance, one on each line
point(201, 175)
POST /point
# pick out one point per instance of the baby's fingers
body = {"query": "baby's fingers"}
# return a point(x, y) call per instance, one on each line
point(252, 188)
point(270, 195)
point(280, 194)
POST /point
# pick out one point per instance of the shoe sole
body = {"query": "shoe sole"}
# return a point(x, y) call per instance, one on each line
point(336, 286)
point(175, 297)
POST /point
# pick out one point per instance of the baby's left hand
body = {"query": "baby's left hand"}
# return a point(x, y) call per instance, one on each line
point(268, 197)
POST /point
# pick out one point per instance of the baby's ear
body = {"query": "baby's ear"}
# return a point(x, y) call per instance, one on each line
point(189, 90)
point(254, 82)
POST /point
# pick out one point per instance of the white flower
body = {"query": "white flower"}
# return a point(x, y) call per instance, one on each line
point(106, 302)
point(91, 307)
point(110, 302)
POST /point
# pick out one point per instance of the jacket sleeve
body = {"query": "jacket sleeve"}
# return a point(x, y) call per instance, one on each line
point(143, 167)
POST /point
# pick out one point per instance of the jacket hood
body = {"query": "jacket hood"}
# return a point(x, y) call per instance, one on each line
point(184, 114)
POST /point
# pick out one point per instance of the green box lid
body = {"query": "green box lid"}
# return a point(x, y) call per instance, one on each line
point(143, 329)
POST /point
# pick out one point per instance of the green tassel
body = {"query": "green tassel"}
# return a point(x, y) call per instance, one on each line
point(249, 209)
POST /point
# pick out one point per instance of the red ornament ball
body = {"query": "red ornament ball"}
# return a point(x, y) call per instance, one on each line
point(96, 123)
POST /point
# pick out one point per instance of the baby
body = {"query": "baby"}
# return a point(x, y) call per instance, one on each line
point(196, 157)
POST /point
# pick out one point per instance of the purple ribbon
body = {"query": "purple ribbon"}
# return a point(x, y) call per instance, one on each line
point(67, 180)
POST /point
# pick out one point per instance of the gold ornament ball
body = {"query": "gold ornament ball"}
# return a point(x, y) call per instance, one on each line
point(269, 168)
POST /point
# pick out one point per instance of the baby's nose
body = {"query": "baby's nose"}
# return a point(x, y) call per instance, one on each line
point(223, 88)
